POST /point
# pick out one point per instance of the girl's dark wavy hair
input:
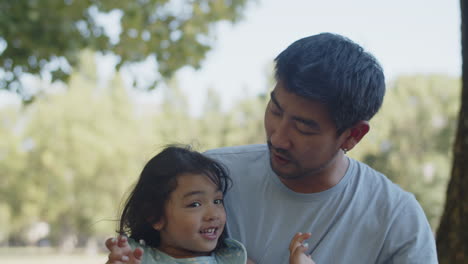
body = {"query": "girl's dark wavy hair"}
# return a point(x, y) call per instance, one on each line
point(145, 204)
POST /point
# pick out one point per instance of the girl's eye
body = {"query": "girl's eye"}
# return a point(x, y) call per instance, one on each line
point(195, 204)
point(218, 201)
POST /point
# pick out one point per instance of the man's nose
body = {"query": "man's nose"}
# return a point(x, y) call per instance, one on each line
point(280, 138)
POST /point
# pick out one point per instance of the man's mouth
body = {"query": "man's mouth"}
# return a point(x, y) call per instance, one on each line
point(280, 159)
point(279, 154)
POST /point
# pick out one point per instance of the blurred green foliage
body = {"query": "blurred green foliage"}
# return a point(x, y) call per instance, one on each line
point(69, 157)
point(41, 36)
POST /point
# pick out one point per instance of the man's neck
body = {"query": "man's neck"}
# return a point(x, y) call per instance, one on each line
point(322, 180)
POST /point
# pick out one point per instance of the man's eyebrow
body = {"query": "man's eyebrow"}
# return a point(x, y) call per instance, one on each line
point(310, 123)
point(273, 98)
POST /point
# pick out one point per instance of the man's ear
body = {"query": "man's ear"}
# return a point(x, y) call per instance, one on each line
point(355, 134)
point(159, 225)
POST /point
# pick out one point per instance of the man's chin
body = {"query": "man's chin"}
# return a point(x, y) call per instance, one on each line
point(289, 176)
point(283, 173)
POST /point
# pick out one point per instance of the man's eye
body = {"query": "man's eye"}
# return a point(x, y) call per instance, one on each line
point(307, 133)
point(304, 129)
point(274, 110)
point(275, 113)
point(218, 201)
point(195, 204)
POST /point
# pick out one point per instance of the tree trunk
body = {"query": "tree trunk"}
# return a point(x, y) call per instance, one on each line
point(452, 235)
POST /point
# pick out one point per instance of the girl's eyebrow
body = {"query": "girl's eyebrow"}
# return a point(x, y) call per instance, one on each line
point(192, 193)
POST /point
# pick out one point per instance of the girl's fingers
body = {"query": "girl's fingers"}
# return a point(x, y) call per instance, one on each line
point(299, 255)
point(298, 248)
point(306, 236)
point(294, 242)
point(298, 239)
point(122, 241)
point(114, 258)
point(110, 243)
point(117, 247)
point(138, 253)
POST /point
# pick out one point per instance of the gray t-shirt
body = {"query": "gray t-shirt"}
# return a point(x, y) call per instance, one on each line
point(365, 218)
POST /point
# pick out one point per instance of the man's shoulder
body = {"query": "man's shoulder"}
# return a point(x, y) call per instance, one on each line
point(382, 188)
point(408, 236)
point(374, 177)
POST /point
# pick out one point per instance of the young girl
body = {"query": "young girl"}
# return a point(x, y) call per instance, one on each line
point(177, 209)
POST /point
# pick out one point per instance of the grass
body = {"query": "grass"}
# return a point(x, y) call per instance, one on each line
point(48, 256)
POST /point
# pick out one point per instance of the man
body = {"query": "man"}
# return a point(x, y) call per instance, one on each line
point(327, 90)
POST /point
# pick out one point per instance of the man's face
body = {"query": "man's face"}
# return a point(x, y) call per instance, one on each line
point(301, 135)
point(194, 217)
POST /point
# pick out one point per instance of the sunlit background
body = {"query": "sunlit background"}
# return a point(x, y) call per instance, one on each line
point(70, 150)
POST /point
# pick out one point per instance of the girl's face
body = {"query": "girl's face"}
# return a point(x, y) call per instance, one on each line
point(194, 217)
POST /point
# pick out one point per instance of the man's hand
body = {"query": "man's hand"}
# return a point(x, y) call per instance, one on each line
point(121, 252)
point(297, 250)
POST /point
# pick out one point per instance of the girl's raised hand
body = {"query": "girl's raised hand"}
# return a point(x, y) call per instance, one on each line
point(297, 250)
point(121, 252)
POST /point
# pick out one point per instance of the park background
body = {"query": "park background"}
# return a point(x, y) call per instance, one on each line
point(81, 113)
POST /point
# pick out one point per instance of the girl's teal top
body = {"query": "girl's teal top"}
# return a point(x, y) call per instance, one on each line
point(234, 253)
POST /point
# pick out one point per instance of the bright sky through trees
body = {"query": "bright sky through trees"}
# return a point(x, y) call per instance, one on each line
point(417, 36)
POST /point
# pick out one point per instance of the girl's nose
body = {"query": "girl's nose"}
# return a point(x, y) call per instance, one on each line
point(212, 213)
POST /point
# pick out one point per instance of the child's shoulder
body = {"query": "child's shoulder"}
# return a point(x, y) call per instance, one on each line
point(233, 253)
point(151, 255)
